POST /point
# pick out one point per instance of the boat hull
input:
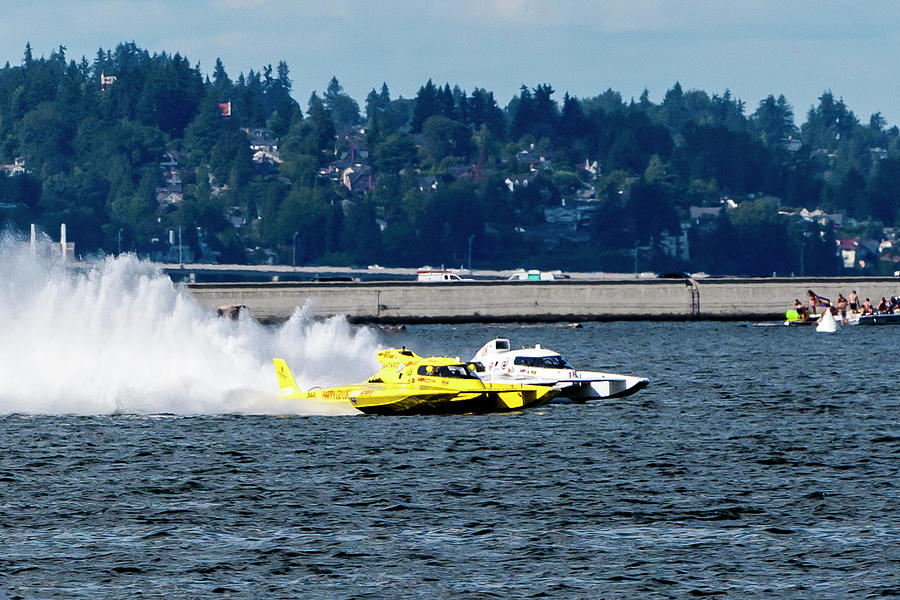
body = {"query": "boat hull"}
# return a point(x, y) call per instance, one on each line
point(439, 404)
point(601, 386)
point(880, 320)
point(381, 399)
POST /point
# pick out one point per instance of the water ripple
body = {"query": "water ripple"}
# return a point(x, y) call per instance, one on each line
point(749, 468)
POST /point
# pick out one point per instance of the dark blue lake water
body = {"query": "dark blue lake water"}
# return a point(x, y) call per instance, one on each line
point(759, 463)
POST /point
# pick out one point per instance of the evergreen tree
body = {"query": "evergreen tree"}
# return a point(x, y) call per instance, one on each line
point(883, 195)
point(827, 124)
point(774, 120)
point(221, 82)
point(344, 109)
point(426, 105)
point(320, 140)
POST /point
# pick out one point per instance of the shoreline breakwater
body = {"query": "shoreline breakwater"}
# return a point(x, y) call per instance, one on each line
point(397, 302)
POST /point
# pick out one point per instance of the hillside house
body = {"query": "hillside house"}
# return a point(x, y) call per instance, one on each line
point(461, 171)
point(169, 167)
point(702, 213)
point(848, 247)
point(818, 216)
point(591, 168)
point(856, 253)
point(878, 154)
point(351, 144)
point(261, 139)
point(560, 214)
point(335, 169)
point(516, 181)
point(676, 246)
point(167, 198)
point(357, 178)
point(267, 157)
point(106, 81)
point(535, 160)
point(427, 182)
point(791, 144)
point(17, 167)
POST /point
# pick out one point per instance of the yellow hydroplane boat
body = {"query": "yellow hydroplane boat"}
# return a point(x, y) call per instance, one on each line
point(410, 384)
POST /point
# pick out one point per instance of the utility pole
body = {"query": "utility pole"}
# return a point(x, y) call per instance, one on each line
point(802, 248)
point(294, 251)
point(635, 257)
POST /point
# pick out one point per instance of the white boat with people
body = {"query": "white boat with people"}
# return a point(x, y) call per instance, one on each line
point(829, 316)
point(497, 362)
point(879, 319)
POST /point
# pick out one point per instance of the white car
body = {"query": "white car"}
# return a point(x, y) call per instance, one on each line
point(496, 362)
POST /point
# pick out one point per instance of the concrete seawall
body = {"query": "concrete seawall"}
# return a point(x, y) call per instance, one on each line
point(565, 300)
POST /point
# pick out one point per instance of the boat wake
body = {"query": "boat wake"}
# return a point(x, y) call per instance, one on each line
point(118, 337)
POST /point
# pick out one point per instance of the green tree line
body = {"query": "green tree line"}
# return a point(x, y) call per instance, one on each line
point(454, 176)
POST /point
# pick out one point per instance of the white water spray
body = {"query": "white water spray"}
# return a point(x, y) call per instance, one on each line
point(119, 337)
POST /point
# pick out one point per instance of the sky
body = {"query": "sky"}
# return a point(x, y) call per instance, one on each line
point(753, 47)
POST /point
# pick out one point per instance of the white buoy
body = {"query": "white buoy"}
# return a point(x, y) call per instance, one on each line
point(827, 322)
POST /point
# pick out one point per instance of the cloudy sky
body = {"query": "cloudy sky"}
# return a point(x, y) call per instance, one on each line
point(753, 47)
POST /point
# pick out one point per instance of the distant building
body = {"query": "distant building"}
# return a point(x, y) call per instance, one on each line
point(335, 168)
point(357, 178)
point(856, 253)
point(106, 82)
point(461, 171)
point(790, 144)
point(169, 198)
point(700, 213)
point(261, 139)
point(267, 156)
point(171, 194)
point(516, 181)
point(169, 167)
point(878, 153)
point(817, 216)
point(560, 214)
point(235, 216)
point(428, 182)
point(592, 168)
point(676, 246)
point(535, 160)
point(16, 168)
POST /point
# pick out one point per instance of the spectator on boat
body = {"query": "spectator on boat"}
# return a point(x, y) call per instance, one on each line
point(813, 301)
point(894, 304)
point(816, 300)
point(853, 302)
point(841, 306)
point(797, 312)
point(882, 307)
point(867, 308)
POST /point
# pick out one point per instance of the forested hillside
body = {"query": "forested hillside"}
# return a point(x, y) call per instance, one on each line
point(131, 145)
